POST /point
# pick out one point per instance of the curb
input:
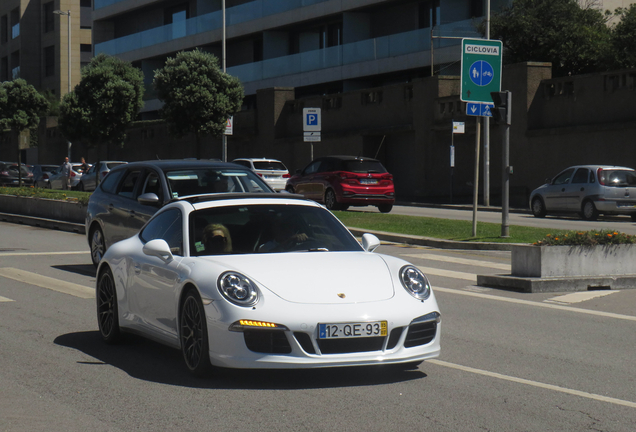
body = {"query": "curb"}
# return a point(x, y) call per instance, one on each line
point(44, 223)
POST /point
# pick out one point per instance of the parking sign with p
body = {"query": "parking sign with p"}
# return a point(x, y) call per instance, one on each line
point(311, 120)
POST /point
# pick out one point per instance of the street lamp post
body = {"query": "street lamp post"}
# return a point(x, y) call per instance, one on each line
point(224, 151)
point(68, 14)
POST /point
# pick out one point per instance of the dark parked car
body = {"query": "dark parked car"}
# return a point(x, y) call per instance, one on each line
point(9, 175)
point(42, 173)
point(343, 181)
point(131, 193)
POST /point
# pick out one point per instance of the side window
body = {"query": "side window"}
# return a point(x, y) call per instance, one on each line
point(244, 163)
point(166, 226)
point(592, 177)
point(312, 168)
point(152, 184)
point(127, 188)
point(109, 185)
point(564, 177)
point(580, 176)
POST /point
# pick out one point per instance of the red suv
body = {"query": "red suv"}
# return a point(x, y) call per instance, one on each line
point(343, 181)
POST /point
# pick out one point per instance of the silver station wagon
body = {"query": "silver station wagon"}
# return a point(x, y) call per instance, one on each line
point(588, 190)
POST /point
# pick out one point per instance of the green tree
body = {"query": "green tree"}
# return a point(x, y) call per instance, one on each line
point(198, 96)
point(21, 107)
point(623, 37)
point(573, 39)
point(104, 103)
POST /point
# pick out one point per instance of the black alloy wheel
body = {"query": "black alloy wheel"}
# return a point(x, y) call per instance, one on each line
point(107, 312)
point(98, 247)
point(194, 335)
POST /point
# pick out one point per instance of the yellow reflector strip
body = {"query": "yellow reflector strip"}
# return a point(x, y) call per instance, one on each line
point(257, 324)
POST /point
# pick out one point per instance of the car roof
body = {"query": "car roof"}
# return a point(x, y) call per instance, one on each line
point(600, 166)
point(238, 196)
point(168, 164)
point(345, 157)
point(258, 159)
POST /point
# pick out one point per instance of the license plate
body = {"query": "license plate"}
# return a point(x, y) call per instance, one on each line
point(368, 181)
point(352, 330)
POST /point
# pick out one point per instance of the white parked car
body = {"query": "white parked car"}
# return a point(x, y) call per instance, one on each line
point(273, 171)
point(265, 281)
point(56, 181)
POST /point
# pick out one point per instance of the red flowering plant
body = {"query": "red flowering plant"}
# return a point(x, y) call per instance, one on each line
point(586, 238)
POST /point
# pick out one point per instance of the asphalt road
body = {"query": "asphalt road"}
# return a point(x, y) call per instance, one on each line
point(560, 222)
point(509, 362)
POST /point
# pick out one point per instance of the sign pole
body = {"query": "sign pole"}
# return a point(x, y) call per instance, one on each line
point(476, 181)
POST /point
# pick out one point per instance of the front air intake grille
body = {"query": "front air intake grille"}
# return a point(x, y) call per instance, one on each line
point(420, 334)
point(394, 337)
point(353, 345)
point(304, 340)
point(267, 341)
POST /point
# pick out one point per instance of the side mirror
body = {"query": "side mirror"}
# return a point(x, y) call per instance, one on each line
point(548, 180)
point(370, 242)
point(148, 199)
point(158, 248)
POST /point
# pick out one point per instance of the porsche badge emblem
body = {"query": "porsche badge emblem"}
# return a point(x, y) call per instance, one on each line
point(341, 295)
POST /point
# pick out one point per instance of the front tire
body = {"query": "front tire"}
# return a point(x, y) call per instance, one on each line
point(194, 335)
point(385, 208)
point(107, 312)
point(98, 246)
point(538, 208)
point(588, 211)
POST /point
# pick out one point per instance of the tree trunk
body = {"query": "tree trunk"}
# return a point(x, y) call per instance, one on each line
point(19, 166)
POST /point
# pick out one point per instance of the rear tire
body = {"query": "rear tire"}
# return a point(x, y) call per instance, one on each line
point(290, 189)
point(385, 208)
point(193, 332)
point(107, 311)
point(588, 211)
point(538, 208)
point(330, 200)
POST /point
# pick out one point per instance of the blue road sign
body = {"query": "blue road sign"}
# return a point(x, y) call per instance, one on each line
point(481, 73)
point(479, 109)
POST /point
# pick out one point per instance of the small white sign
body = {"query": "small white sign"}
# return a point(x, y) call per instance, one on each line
point(311, 136)
point(311, 120)
point(458, 127)
point(229, 126)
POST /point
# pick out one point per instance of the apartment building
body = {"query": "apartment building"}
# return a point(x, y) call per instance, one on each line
point(315, 46)
point(34, 41)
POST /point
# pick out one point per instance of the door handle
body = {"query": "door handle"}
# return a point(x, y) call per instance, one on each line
point(131, 213)
point(137, 268)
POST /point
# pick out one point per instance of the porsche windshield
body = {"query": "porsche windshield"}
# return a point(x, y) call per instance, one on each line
point(248, 229)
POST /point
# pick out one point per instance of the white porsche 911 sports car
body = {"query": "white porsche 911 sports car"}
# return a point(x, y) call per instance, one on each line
point(265, 281)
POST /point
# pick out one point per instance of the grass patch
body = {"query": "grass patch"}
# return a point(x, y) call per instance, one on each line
point(441, 228)
point(81, 197)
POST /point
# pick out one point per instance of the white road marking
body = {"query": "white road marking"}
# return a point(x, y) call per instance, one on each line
point(465, 261)
point(48, 282)
point(42, 253)
point(536, 304)
point(4, 299)
point(449, 273)
point(535, 384)
point(578, 297)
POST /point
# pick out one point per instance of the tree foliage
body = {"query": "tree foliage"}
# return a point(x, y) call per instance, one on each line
point(104, 103)
point(21, 106)
point(624, 37)
point(198, 96)
point(575, 40)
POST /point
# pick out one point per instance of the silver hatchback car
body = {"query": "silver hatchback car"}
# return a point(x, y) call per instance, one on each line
point(588, 190)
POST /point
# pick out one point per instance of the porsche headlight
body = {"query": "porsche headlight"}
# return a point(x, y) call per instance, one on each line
point(415, 282)
point(238, 289)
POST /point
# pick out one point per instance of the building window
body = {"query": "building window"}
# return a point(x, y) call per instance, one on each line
point(4, 28)
point(258, 50)
point(86, 3)
point(49, 61)
point(15, 65)
point(86, 48)
point(15, 23)
point(331, 35)
point(4, 69)
point(48, 15)
point(476, 8)
point(428, 13)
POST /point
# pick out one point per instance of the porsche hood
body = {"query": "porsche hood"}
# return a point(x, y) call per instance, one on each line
point(316, 277)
